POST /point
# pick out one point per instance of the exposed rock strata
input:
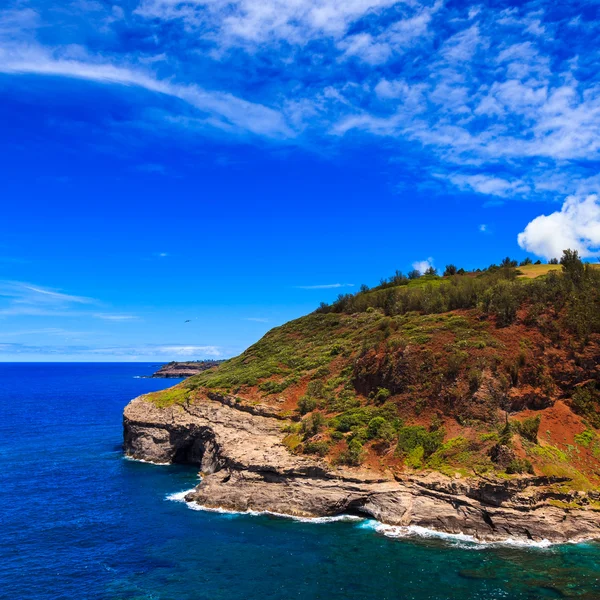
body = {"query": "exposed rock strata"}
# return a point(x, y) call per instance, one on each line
point(246, 467)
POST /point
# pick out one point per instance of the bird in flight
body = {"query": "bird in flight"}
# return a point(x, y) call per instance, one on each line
point(187, 321)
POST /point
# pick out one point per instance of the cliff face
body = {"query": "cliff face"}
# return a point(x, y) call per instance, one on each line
point(245, 466)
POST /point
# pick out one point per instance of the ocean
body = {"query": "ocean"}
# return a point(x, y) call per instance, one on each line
point(79, 521)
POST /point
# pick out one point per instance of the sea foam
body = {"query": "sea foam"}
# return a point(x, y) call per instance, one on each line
point(180, 497)
point(461, 540)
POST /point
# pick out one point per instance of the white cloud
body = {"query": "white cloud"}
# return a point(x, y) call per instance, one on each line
point(223, 109)
point(20, 298)
point(575, 226)
point(257, 319)
point(114, 317)
point(324, 286)
point(470, 87)
point(149, 351)
point(483, 228)
point(185, 350)
point(27, 293)
point(251, 22)
point(489, 185)
point(423, 265)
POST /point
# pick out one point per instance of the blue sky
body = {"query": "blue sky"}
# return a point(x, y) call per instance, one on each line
point(233, 163)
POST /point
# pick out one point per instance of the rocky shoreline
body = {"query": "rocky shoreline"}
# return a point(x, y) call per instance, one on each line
point(178, 370)
point(245, 466)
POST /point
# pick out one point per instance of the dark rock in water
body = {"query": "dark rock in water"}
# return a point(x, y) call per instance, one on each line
point(185, 369)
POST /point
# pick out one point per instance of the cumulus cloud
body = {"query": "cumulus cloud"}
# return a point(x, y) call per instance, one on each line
point(575, 226)
point(423, 265)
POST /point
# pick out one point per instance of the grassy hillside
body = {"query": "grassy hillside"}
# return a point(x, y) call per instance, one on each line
point(482, 372)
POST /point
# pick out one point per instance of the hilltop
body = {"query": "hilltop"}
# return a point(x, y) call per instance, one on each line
point(486, 376)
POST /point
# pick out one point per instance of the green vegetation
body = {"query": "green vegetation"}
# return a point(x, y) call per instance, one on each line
point(585, 438)
point(497, 291)
point(586, 402)
point(528, 428)
point(164, 398)
point(384, 373)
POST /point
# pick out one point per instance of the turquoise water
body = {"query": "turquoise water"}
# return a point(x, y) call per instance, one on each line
point(80, 521)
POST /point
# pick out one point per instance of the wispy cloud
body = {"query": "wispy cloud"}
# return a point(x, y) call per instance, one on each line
point(158, 352)
point(19, 298)
point(219, 109)
point(324, 286)
point(115, 317)
point(257, 319)
point(501, 102)
point(27, 293)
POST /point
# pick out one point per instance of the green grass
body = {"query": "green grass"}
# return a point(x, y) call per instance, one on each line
point(168, 397)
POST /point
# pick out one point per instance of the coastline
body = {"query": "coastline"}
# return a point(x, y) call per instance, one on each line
point(391, 531)
point(246, 469)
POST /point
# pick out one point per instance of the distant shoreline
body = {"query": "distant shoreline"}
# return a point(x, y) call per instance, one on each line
point(178, 370)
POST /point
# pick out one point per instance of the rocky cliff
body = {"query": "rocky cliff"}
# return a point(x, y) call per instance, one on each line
point(245, 466)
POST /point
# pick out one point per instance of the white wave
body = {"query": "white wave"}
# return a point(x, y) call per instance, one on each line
point(180, 497)
point(461, 539)
point(147, 462)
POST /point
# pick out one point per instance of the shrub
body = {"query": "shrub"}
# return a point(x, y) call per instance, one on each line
point(382, 395)
point(414, 459)
point(585, 402)
point(413, 436)
point(380, 429)
point(519, 465)
point(585, 438)
point(306, 404)
point(450, 270)
point(354, 455)
point(312, 425)
point(475, 377)
point(528, 428)
point(320, 448)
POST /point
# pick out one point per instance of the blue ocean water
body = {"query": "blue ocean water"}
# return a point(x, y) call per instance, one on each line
point(79, 521)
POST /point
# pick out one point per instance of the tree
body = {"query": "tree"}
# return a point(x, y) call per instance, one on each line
point(525, 262)
point(572, 266)
point(450, 270)
point(461, 271)
point(508, 263)
point(431, 271)
point(364, 288)
point(414, 274)
point(553, 261)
